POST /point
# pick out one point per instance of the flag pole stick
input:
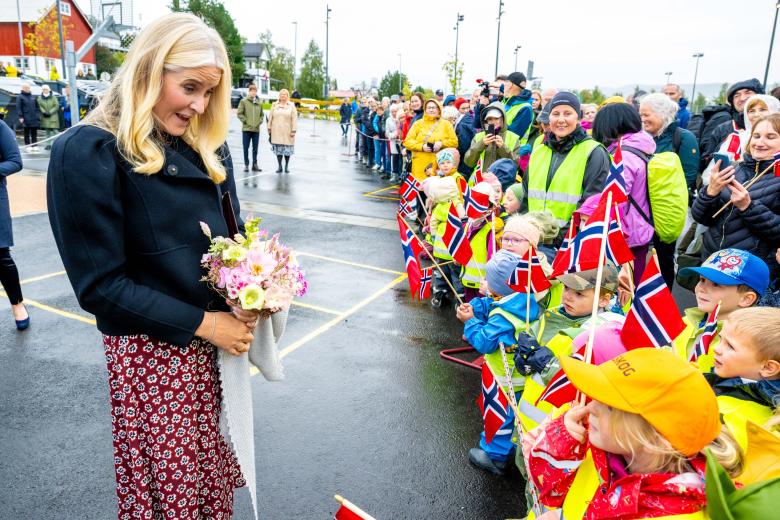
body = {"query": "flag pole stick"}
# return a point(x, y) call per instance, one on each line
point(597, 293)
point(747, 186)
point(435, 263)
point(531, 253)
point(466, 232)
point(352, 507)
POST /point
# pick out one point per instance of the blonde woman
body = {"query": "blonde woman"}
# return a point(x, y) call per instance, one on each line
point(282, 125)
point(126, 191)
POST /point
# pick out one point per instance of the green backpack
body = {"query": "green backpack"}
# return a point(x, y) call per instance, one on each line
point(667, 192)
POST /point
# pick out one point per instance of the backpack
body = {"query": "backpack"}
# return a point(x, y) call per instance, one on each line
point(667, 192)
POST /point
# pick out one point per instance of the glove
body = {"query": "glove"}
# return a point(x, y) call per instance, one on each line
point(530, 356)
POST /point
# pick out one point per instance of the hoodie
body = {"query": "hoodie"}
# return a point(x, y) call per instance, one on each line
point(491, 152)
point(638, 231)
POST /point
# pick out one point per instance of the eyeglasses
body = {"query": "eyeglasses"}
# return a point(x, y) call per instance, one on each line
point(512, 240)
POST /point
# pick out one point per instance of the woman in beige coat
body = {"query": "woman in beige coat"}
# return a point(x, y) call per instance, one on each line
point(282, 125)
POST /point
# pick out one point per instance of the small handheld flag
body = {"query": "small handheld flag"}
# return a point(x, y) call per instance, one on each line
point(477, 177)
point(454, 238)
point(559, 390)
point(702, 344)
point(409, 189)
point(493, 404)
point(412, 249)
point(615, 182)
point(518, 280)
point(426, 277)
point(653, 320)
point(475, 203)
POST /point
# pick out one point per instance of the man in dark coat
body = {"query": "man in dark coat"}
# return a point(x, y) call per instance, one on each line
point(345, 113)
point(27, 110)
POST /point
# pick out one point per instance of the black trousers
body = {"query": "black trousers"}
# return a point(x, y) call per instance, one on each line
point(9, 276)
point(30, 134)
point(665, 254)
point(254, 138)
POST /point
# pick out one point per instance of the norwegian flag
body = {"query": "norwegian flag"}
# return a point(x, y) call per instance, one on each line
point(777, 164)
point(462, 184)
point(455, 238)
point(345, 513)
point(476, 203)
point(615, 182)
point(518, 280)
point(653, 320)
point(412, 249)
point(563, 257)
point(493, 404)
point(735, 143)
point(702, 344)
point(405, 207)
point(424, 290)
point(559, 390)
point(477, 177)
point(618, 251)
point(409, 188)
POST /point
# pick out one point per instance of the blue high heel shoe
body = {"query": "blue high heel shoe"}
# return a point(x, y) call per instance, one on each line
point(23, 324)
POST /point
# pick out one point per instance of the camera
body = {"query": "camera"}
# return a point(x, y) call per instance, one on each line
point(492, 91)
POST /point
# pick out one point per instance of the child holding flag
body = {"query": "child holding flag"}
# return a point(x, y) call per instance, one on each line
point(442, 192)
point(482, 235)
point(729, 279)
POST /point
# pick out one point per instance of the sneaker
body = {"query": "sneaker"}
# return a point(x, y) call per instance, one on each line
point(480, 459)
point(437, 299)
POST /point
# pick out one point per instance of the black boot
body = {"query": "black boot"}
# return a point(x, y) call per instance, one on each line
point(287, 164)
point(256, 168)
point(279, 160)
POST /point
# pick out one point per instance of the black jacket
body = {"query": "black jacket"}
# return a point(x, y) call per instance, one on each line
point(27, 108)
point(345, 112)
point(131, 243)
point(368, 121)
point(757, 229)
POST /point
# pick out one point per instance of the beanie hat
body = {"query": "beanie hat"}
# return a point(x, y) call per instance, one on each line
point(491, 179)
point(449, 99)
point(448, 154)
point(566, 98)
point(460, 101)
point(505, 170)
point(499, 269)
point(523, 226)
point(441, 189)
point(517, 190)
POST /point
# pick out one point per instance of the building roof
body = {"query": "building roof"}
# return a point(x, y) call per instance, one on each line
point(255, 50)
point(31, 10)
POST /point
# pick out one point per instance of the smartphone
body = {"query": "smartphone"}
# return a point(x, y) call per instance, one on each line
point(430, 146)
point(491, 129)
point(723, 158)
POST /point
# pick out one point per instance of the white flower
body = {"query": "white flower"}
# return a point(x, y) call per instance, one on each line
point(251, 297)
point(234, 254)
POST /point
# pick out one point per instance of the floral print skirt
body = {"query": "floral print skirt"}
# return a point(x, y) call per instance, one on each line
point(170, 458)
point(283, 149)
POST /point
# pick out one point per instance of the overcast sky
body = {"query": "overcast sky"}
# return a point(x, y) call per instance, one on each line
point(574, 44)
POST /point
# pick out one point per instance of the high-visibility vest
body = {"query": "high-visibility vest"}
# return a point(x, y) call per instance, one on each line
point(511, 114)
point(565, 190)
point(440, 212)
point(494, 360)
point(474, 271)
point(510, 139)
point(736, 412)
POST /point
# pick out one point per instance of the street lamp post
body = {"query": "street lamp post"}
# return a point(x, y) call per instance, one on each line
point(668, 75)
point(695, 76)
point(21, 38)
point(516, 50)
point(498, 33)
point(771, 43)
point(455, 71)
point(295, 58)
point(327, 23)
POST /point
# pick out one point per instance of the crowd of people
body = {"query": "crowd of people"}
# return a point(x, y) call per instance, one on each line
point(660, 432)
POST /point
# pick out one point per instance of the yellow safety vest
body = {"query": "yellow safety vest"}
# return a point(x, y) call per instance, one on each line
point(474, 271)
point(735, 413)
point(511, 114)
point(510, 139)
point(565, 190)
point(441, 212)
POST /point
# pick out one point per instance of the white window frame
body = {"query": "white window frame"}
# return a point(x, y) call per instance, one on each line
point(65, 9)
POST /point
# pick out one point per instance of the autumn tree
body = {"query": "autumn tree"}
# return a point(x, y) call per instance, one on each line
point(454, 71)
point(44, 39)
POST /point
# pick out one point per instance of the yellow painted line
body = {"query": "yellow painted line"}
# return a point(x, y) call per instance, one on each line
point(42, 277)
point(369, 193)
point(382, 197)
point(316, 308)
point(54, 310)
point(347, 262)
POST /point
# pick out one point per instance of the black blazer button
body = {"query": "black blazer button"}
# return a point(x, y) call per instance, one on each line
point(173, 169)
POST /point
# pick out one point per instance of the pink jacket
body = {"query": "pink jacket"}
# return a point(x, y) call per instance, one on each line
point(638, 231)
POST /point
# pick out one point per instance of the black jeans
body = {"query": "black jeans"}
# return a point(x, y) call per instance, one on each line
point(30, 134)
point(254, 138)
point(9, 276)
point(665, 254)
point(344, 129)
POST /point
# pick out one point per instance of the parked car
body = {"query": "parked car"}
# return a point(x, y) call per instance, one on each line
point(236, 95)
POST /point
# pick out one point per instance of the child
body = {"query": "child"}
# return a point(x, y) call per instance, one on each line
point(447, 161)
point(482, 234)
point(733, 277)
point(441, 193)
point(746, 373)
point(634, 450)
point(380, 145)
point(513, 199)
point(489, 322)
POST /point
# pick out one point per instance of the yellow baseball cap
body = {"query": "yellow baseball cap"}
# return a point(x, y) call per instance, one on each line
point(666, 391)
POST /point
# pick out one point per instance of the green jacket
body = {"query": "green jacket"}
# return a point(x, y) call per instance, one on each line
point(250, 113)
point(49, 108)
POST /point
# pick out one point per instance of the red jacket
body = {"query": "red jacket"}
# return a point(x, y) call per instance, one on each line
point(621, 495)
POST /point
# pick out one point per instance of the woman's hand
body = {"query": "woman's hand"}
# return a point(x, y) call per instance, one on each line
point(574, 421)
point(226, 332)
point(292, 134)
point(488, 140)
point(739, 196)
point(719, 179)
point(248, 317)
point(437, 146)
point(498, 141)
point(625, 283)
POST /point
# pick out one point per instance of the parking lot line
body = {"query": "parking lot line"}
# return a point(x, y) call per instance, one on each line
point(54, 310)
point(380, 190)
point(347, 262)
point(42, 277)
point(316, 308)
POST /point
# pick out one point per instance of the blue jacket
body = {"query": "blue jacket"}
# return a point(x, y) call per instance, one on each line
point(484, 332)
point(683, 114)
point(465, 131)
point(10, 163)
point(688, 151)
point(525, 117)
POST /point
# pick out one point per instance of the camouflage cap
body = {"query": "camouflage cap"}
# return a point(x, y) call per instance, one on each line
point(587, 279)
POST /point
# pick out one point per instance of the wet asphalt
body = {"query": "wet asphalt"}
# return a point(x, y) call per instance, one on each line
point(368, 410)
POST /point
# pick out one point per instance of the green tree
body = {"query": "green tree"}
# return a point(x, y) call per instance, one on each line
point(721, 99)
point(390, 83)
point(216, 16)
point(281, 67)
point(107, 60)
point(699, 103)
point(454, 73)
point(312, 80)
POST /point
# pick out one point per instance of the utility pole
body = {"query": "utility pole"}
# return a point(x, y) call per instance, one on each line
point(327, 25)
point(19, 22)
point(455, 71)
point(695, 76)
point(516, 50)
point(771, 43)
point(295, 58)
point(668, 75)
point(62, 40)
point(400, 83)
point(498, 33)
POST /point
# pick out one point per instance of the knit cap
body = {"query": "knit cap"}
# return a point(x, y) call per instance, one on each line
point(448, 154)
point(523, 226)
point(566, 98)
point(441, 189)
point(499, 269)
point(518, 190)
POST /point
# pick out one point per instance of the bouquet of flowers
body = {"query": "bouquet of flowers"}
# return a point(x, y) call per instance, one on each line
point(253, 272)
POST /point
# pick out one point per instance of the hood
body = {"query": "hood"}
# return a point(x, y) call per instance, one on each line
point(752, 84)
point(506, 172)
point(682, 103)
point(771, 102)
point(514, 304)
point(522, 97)
point(641, 141)
point(426, 117)
point(449, 99)
point(495, 104)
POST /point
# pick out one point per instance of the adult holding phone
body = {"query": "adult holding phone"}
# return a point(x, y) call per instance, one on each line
point(126, 191)
point(752, 222)
point(494, 142)
point(427, 136)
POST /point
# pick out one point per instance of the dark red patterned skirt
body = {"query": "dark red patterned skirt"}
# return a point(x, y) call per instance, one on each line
point(171, 459)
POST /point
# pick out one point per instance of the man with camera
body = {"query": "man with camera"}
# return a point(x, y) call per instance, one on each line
point(494, 142)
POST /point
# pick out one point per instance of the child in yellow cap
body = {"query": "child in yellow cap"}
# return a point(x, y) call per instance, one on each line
point(634, 451)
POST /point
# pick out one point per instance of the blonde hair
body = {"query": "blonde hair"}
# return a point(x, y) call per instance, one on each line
point(634, 434)
point(762, 326)
point(174, 42)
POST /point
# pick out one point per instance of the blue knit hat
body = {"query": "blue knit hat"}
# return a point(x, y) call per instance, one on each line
point(499, 269)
